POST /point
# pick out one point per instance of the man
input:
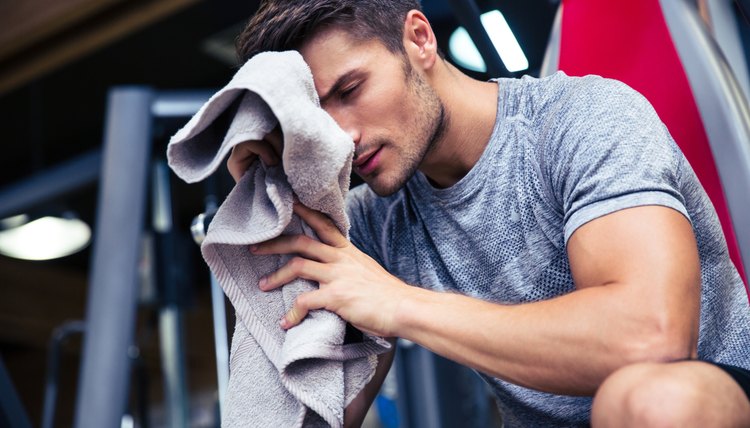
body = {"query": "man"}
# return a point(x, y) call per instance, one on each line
point(546, 232)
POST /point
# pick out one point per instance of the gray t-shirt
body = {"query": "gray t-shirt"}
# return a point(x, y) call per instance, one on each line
point(564, 151)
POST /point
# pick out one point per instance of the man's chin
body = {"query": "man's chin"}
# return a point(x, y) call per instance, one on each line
point(383, 192)
point(383, 189)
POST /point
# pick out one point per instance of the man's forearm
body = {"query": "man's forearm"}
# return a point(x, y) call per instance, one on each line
point(566, 345)
point(634, 302)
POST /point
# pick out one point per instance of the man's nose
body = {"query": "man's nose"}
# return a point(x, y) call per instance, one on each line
point(349, 127)
point(354, 134)
point(346, 123)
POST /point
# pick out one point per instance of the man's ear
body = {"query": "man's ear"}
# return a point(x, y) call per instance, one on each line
point(419, 40)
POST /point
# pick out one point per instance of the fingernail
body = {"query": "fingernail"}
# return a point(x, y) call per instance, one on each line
point(284, 323)
point(253, 248)
point(262, 283)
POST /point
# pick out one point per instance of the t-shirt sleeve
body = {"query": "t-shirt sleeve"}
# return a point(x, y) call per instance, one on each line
point(607, 150)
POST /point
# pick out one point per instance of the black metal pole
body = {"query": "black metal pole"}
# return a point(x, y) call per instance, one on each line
point(54, 182)
point(59, 336)
point(12, 412)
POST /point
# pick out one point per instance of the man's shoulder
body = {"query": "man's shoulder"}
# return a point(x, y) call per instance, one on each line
point(562, 87)
point(562, 82)
point(559, 106)
point(560, 99)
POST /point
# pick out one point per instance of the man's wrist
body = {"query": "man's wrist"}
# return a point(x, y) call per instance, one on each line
point(410, 310)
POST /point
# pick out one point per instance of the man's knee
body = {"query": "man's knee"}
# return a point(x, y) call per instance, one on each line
point(648, 395)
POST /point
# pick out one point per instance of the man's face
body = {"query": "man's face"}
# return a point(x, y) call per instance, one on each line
point(393, 115)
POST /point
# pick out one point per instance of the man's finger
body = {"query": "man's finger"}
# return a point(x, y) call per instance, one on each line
point(267, 153)
point(305, 303)
point(296, 244)
point(245, 153)
point(297, 267)
point(239, 161)
point(276, 139)
point(322, 225)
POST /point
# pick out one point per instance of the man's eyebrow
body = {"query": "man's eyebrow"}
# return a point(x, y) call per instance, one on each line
point(341, 81)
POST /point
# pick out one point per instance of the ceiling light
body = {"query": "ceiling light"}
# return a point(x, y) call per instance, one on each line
point(465, 53)
point(44, 238)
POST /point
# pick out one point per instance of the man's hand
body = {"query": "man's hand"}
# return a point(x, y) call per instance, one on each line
point(352, 285)
point(244, 154)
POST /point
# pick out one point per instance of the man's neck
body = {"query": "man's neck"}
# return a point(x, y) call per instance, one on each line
point(471, 106)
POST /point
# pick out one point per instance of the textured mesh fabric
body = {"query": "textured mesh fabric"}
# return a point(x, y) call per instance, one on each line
point(564, 151)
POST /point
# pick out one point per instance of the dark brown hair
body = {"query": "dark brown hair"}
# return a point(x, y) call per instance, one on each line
point(286, 24)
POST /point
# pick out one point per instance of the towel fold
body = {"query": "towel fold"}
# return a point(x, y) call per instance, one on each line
point(276, 376)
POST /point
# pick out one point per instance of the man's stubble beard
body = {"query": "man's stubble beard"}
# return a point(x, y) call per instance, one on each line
point(431, 120)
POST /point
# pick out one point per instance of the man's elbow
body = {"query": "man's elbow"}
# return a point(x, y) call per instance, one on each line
point(666, 339)
point(665, 326)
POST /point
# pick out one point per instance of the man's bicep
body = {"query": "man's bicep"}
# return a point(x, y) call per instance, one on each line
point(647, 246)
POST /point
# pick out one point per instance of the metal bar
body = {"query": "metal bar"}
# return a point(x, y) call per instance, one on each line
point(469, 16)
point(12, 412)
point(418, 401)
point(723, 108)
point(436, 392)
point(143, 401)
point(112, 298)
point(172, 348)
point(218, 305)
point(171, 104)
point(221, 342)
point(551, 61)
point(464, 400)
point(726, 31)
point(171, 334)
point(59, 336)
point(54, 182)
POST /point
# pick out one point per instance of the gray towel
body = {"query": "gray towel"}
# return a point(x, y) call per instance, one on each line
point(276, 376)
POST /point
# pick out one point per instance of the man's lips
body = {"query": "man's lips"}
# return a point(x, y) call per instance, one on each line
point(362, 158)
point(366, 163)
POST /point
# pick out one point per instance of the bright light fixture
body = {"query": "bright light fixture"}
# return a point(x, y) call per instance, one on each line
point(465, 53)
point(43, 239)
